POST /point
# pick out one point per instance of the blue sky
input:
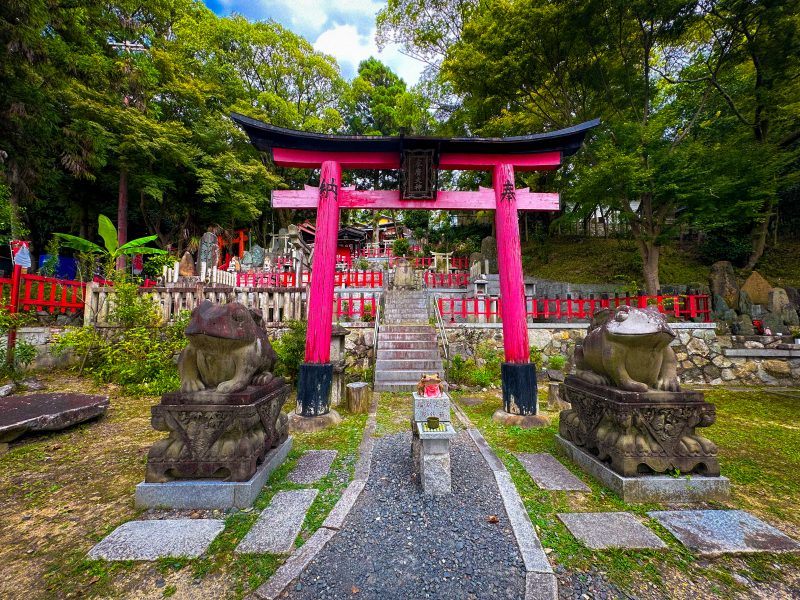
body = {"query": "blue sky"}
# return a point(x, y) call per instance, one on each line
point(342, 28)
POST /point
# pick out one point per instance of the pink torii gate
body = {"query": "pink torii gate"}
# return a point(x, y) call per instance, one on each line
point(417, 158)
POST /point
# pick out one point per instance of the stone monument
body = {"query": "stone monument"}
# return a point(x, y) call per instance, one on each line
point(489, 252)
point(629, 414)
point(208, 252)
point(403, 275)
point(226, 419)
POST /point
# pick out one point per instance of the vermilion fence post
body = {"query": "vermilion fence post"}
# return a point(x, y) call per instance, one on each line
point(13, 307)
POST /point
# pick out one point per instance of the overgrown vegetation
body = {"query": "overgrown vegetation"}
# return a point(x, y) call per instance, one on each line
point(291, 349)
point(24, 353)
point(137, 351)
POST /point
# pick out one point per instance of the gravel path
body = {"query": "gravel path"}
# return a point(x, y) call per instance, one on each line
point(396, 543)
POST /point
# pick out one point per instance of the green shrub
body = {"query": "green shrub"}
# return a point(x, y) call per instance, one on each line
point(557, 362)
point(137, 354)
point(362, 264)
point(291, 349)
point(536, 357)
point(24, 353)
point(459, 368)
point(401, 247)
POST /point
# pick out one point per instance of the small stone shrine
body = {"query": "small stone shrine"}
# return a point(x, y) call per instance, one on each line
point(227, 415)
point(628, 411)
point(431, 431)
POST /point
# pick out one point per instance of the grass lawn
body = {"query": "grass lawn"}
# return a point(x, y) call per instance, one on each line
point(759, 441)
point(61, 493)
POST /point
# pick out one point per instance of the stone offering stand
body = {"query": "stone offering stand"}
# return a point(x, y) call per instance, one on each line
point(430, 448)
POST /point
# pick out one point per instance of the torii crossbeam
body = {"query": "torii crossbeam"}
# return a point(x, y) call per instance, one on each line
point(418, 159)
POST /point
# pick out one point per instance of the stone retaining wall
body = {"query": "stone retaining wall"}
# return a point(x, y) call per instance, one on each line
point(703, 356)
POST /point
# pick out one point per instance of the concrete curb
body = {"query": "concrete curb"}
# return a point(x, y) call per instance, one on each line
point(302, 557)
point(540, 581)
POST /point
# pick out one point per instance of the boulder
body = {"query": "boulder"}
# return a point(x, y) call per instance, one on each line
point(789, 316)
point(745, 325)
point(777, 300)
point(794, 296)
point(757, 288)
point(745, 304)
point(774, 322)
point(722, 281)
point(186, 266)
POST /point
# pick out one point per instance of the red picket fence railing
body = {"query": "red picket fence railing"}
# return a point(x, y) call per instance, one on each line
point(682, 306)
point(353, 307)
point(23, 292)
point(459, 262)
point(366, 279)
point(446, 280)
point(418, 262)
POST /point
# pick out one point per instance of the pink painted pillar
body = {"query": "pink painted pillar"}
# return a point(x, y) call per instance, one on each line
point(320, 301)
point(517, 373)
point(509, 261)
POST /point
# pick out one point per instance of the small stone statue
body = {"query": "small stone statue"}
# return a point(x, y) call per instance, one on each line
point(430, 386)
point(629, 348)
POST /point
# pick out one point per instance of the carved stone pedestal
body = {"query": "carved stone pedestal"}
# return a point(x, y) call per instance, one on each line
point(640, 432)
point(217, 436)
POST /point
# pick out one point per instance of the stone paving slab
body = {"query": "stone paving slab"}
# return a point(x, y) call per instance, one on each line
point(714, 532)
point(550, 474)
point(335, 519)
point(151, 540)
point(599, 531)
point(278, 525)
point(47, 412)
point(312, 466)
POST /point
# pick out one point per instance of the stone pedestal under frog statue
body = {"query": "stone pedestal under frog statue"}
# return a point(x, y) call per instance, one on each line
point(628, 410)
point(227, 414)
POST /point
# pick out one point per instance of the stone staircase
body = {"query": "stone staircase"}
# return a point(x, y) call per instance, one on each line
point(407, 345)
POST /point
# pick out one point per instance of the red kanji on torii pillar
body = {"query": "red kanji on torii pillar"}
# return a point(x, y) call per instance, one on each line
point(418, 159)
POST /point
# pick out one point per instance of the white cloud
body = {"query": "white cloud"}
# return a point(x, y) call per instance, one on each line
point(344, 29)
point(349, 48)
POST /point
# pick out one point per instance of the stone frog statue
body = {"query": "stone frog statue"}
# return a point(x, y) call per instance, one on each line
point(629, 348)
point(227, 350)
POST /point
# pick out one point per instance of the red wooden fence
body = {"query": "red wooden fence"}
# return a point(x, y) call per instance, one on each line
point(354, 307)
point(366, 279)
point(374, 253)
point(682, 306)
point(459, 262)
point(22, 292)
point(446, 280)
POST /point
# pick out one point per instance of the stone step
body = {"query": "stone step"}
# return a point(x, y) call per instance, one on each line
point(405, 345)
point(406, 364)
point(406, 337)
point(405, 328)
point(386, 354)
point(278, 525)
point(404, 375)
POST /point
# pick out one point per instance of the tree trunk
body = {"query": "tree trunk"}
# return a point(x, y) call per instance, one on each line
point(650, 253)
point(760, 232)
point(122, 215)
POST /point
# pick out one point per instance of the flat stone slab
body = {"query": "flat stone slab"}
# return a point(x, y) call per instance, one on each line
point(209, 493)
point(599, 531)
point(151, 540)
point(650, 488)
point(714, 532)
point(312, 466)
point(279, 523)
point(470, 401)
point(550, 474)
point(47, 412)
